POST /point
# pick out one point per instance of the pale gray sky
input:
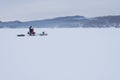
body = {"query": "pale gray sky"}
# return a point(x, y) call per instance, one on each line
point(26, 10)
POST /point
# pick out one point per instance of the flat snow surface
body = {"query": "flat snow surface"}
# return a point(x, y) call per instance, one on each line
point(65, 54)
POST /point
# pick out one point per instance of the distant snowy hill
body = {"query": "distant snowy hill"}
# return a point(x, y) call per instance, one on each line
point(67, 22)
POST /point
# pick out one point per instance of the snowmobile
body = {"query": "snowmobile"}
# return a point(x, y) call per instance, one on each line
point(31, 34)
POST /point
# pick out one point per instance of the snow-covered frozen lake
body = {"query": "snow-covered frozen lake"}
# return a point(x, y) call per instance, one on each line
point(65, 54)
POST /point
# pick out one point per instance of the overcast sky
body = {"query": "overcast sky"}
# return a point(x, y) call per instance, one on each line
point(26, 10)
